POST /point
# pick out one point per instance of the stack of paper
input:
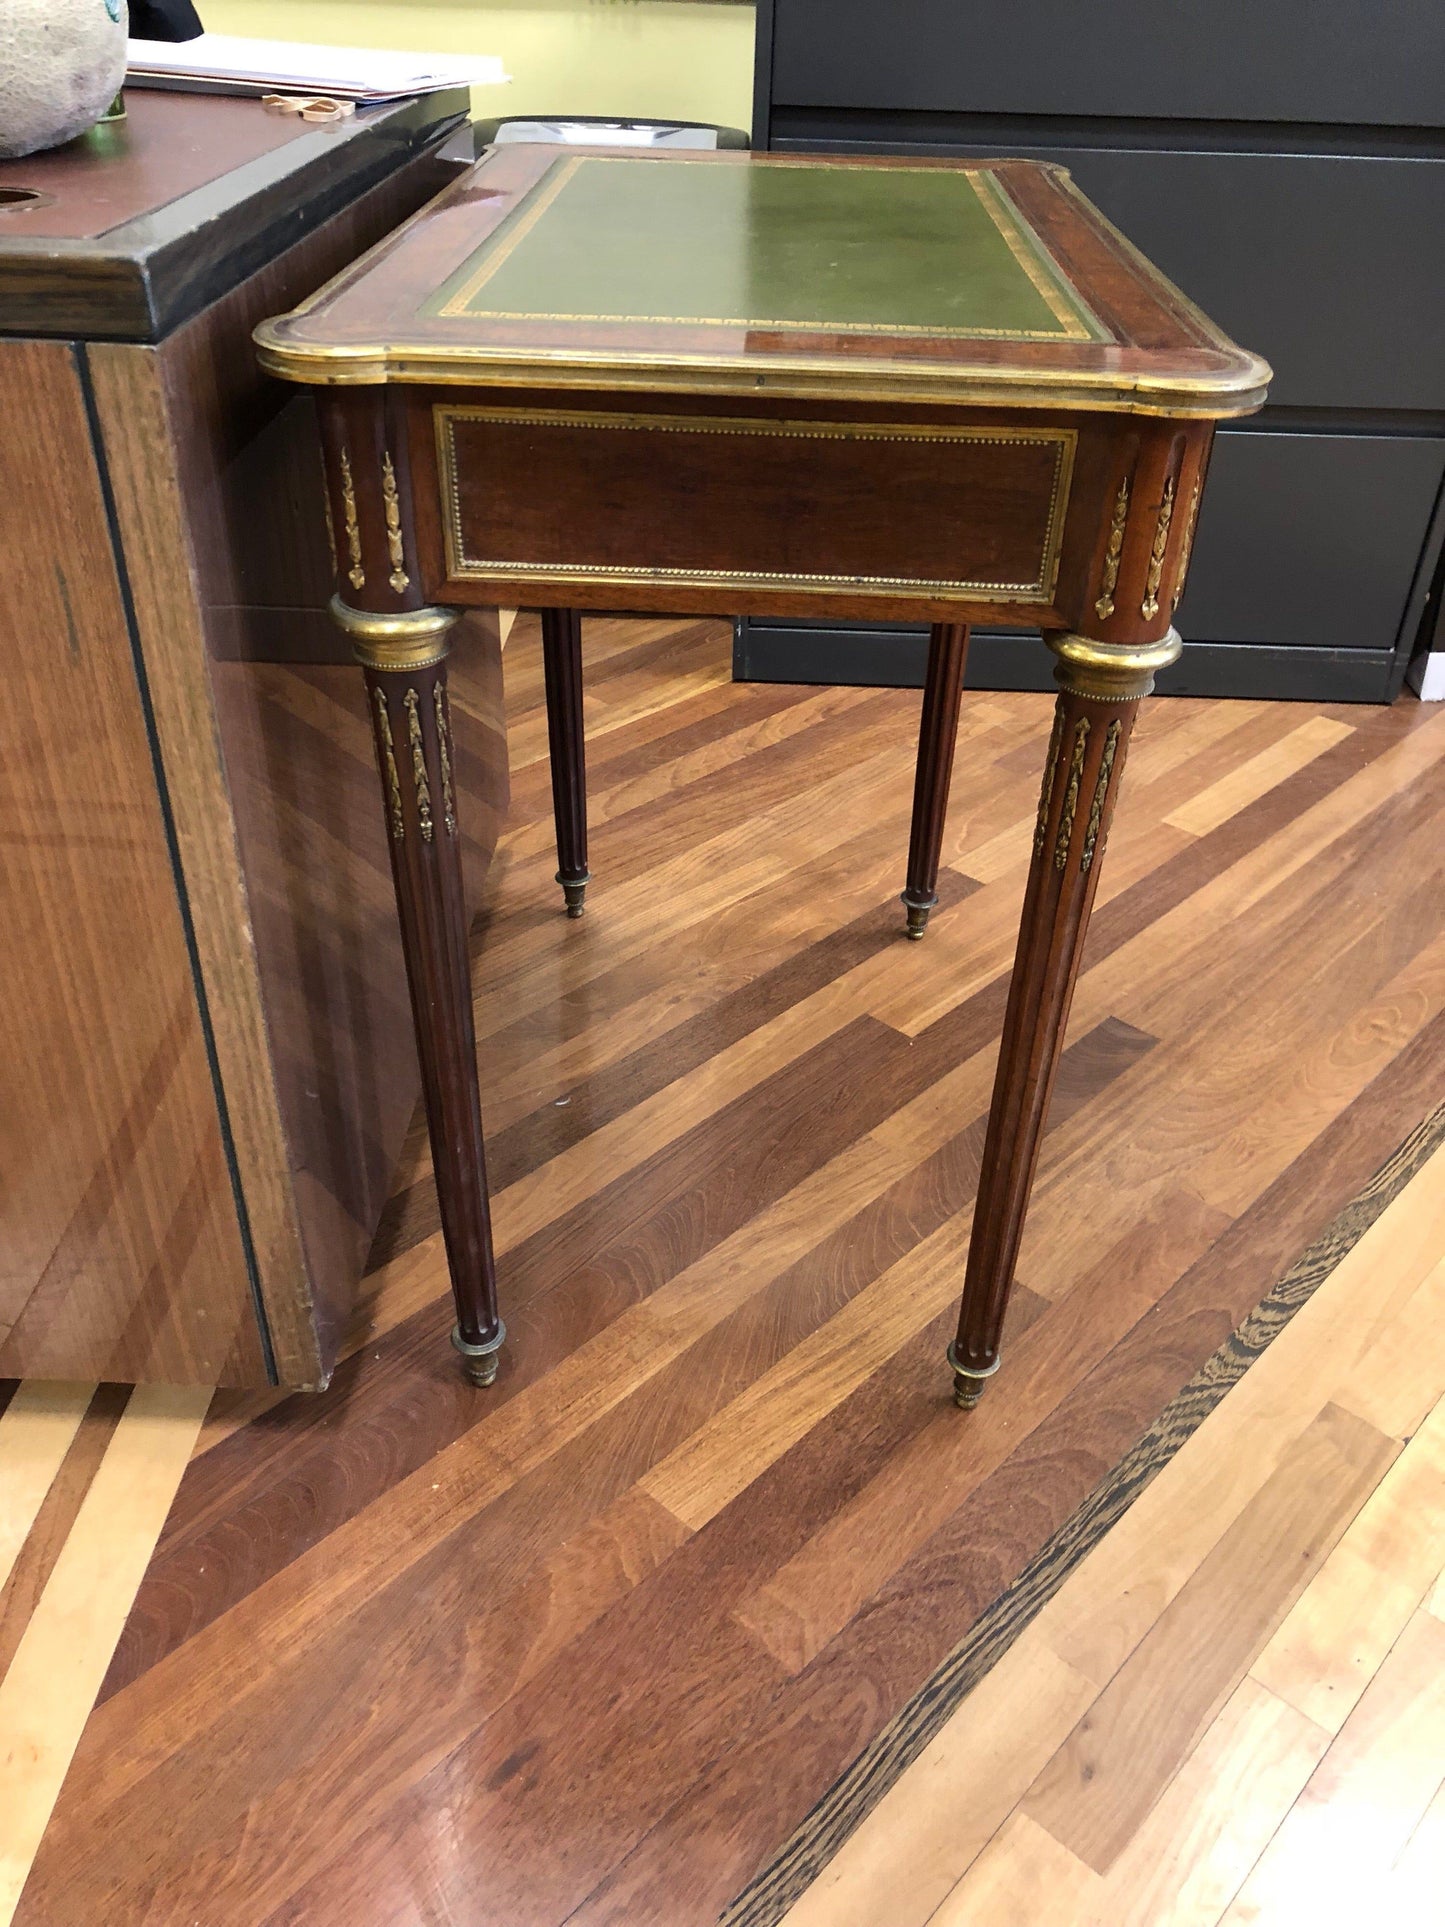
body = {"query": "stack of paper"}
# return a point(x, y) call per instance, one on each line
point(220, 63)
point(605, 133)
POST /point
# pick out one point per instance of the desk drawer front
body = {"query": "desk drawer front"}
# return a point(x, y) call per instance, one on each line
point(571, 499)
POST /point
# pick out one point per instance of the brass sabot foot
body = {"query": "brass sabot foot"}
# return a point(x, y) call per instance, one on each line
point(918, 909)
point(574, 893)
point(969, 1382)
point(480, 1362)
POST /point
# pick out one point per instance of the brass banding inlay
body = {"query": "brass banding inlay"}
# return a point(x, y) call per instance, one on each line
point(462, 566)
point(789, 377)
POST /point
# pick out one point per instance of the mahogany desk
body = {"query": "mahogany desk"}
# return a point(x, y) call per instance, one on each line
point(721, 384)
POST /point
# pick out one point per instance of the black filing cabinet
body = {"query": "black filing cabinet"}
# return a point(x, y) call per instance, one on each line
point(1284, 162)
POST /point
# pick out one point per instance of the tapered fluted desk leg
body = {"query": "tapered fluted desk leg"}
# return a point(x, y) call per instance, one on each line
point(937, 734)
point(562, 666)
point(1100, 689)
point(404, 659)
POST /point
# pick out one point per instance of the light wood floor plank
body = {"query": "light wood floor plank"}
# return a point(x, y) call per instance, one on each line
point(36, 1430)
point(1328, 1648)
point(1172, 1526)
point(909, 1853)
point(1402, 1376)
point(1339, 1841)
point(1245, 785)
point(46, 1696)
point(1022, 1878)
point(1098, 1790)
point(1411, 1895)
point(1186, 1863)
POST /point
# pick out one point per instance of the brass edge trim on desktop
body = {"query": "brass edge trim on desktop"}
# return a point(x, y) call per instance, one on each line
point(462, 567)
point(773, 324)
point(1198, 397)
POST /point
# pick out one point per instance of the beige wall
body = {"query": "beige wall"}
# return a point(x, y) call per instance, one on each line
point(689, 58)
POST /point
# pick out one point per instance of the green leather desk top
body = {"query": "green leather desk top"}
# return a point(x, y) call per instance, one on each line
point(913, 251)
point(991, 282)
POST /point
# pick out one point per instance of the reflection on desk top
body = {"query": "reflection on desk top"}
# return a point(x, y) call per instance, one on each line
point(990, 282)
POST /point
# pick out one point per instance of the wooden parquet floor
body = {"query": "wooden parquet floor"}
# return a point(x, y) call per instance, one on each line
point(589, 1647)
point(1232, 1713)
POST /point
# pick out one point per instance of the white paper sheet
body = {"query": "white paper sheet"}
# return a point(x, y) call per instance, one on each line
point(293, 66)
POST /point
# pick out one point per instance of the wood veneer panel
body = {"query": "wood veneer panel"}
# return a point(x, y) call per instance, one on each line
point(122, 1258)
point(796, 502)
point(151, 512)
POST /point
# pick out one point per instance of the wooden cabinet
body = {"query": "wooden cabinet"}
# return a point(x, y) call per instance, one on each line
point(206, 1065)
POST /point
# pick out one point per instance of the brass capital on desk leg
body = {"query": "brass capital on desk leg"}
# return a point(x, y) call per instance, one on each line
point(403, 657)
point(1100, 688)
